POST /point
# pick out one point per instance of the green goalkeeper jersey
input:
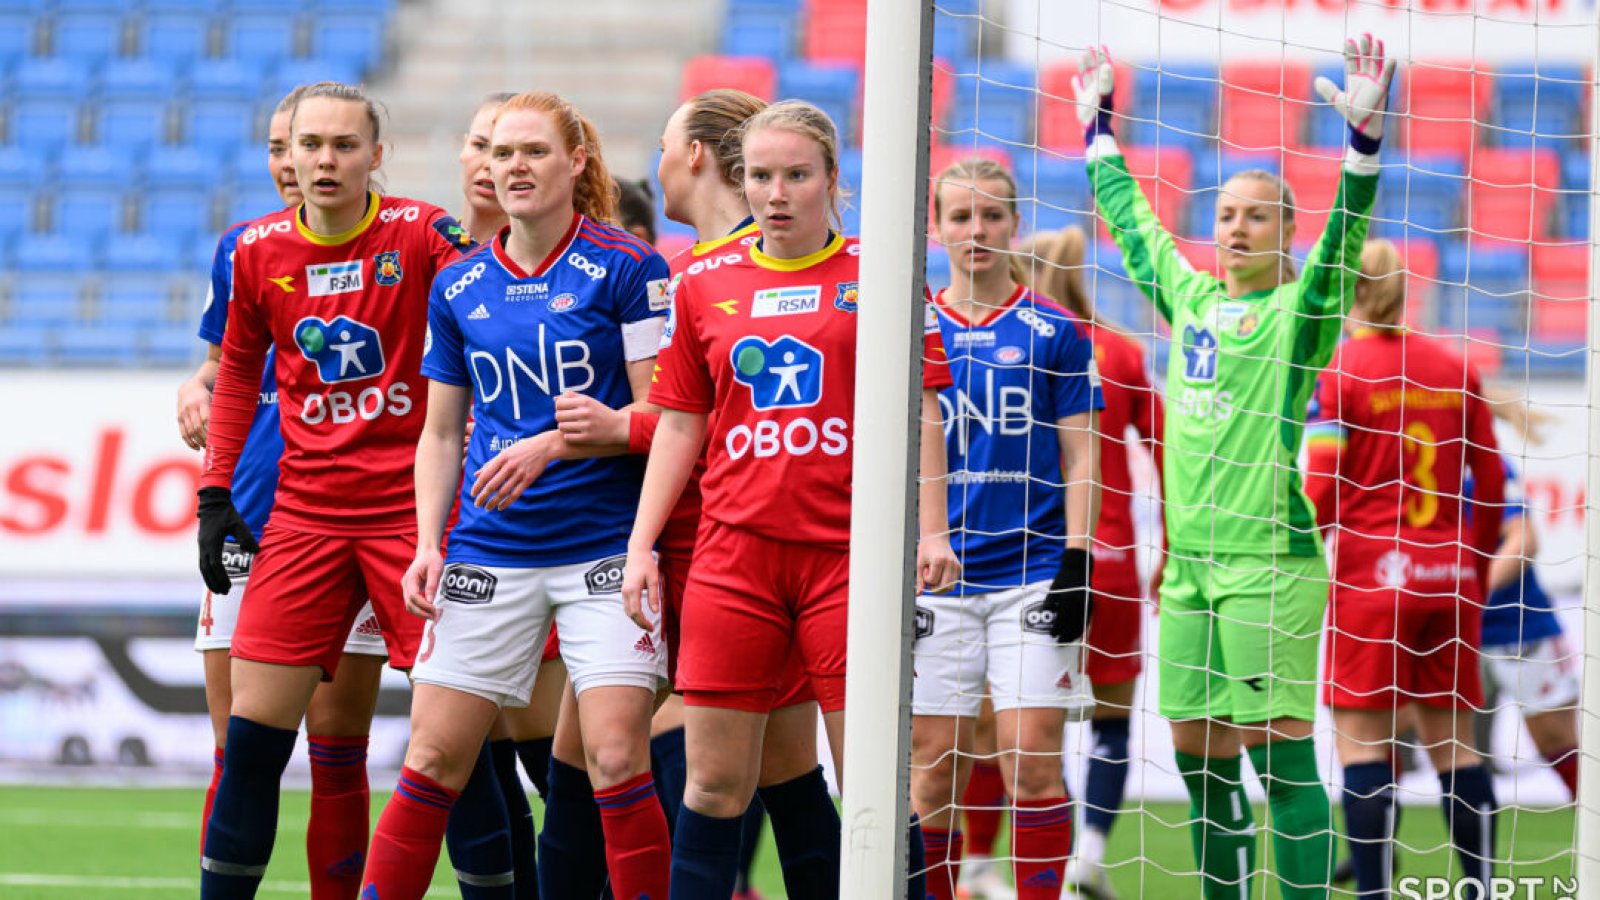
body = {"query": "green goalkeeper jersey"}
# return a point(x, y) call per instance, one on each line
point(1241, 372)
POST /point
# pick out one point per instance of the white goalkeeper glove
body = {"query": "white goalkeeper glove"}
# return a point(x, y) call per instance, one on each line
point(1091, 93)
point(1367, 75)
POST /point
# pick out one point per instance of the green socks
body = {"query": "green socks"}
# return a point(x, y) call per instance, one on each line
point(1221, 826)
point(1302, 822)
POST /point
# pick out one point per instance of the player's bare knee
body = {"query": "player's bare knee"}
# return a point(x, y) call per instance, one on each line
point(719, 798)
point(450, 766)
point(1038, 777)
point(614, 762)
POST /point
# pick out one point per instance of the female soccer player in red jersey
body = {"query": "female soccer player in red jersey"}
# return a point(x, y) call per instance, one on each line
point(339, 287)
point(557, 304)
point(766, 341)
point(1398, 418)
point(339, 716)
point(1114, 657)
point(1021, 444)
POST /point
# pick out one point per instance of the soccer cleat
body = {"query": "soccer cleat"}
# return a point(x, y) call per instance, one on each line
point(1087, 879)
point(981, 879)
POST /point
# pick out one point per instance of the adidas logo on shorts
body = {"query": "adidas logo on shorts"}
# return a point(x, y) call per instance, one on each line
point(479, 313)
point(1065, 681)
point(645, 645)
point(369, 627)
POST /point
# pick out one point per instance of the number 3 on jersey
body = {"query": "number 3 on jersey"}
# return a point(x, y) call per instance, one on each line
point(1422, 452)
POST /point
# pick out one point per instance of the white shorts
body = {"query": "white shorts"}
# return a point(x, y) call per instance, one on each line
point(493, 623)
point(996, 639)
point(220, 613)
point(1539, 676)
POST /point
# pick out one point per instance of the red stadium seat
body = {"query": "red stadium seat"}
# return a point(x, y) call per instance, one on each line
point(1561, 292)
point(1421, 260)
point(1445, 101)
point(1314, 179)
point(836, 31)
point(940, 156)
point(1511, 194)
point(1262, 105)
point(1059, 128)
point(754, 74)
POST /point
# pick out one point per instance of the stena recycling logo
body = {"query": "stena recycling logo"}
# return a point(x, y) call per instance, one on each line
point(1199, 354)
point(785, 374)
point(343, 350)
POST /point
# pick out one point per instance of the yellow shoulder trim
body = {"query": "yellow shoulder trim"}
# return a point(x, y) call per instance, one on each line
point(795, 265)
point(704, 247)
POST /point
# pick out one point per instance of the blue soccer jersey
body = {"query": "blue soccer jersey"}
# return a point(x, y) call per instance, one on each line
point(1017, 372)
point(255, 480)
point(1521, 611)
point(519, 340)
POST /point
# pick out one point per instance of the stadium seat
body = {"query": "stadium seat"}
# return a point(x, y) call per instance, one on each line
point(97, 166)
point(1053, 191)
point(233, 80)
point(17, 38)
point(49, 78)
point(87, 37)
point(1212, 169)
point(1483, 288)
point(82, 6)
point(747, 73)
point(954, 37)
point(836, 32)
point(1547, 100)
point(46, 299)
point(170, 347)
point(263, 38)
point(218, 127)
point(180, 167)
point(1424, 195)
point(832, 88)
point(188, 7)
point(1421, 261)
point(86, 214)
point(292, 73)
point(95, 347)
point(1574, 213)
point(1165, 175)
point(1445, 101)
point(175, 38)
point(137, 78)
point(1561, 295)
point(44, 125)
point(357, 39)
point(1175, 104)
point(1313, 176)
point(381, 8)
point(134, 301)
point(937, 270)
point(1059, 128)
point(1512, 194)
point(21, 167)
point(1261, 103)
point(994, 104)
point(18, 214)
point(251, 201)
point(177, 213)
point(24, 347)
point(143, 252)
point(758, 32)
point(135, 124)
point(784, 6)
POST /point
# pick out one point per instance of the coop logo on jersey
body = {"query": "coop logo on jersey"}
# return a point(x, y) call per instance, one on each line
point(785, 374)
point(845, 299)
point(1038, 618)
point(1199, 354)
point(386, 268)
point(1393, 569)
point(606, 576)
point(787, 301)
point(560, 303)
point(467, 584)
point(236, 561)
point(334, 278)
point(343, 350)
point(1010, 355)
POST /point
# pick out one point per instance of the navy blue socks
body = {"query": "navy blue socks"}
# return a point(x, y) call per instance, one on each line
point(571, 844)
point(805, 827)
point(478, 835)
point(244, 817)
point(1369, 808)
point(705, 857)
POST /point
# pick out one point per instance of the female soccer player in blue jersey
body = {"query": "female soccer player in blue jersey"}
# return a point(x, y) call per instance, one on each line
point(1245, 585)
point(559, 303)
point(1020, 421)
point(339, 716)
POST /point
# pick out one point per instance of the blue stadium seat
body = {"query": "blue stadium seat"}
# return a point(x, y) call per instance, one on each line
point(86, 214)
point(1483, 288)
point(938, 268)
point(1181, 98)
point(49, 78)
point(1547, 100)
point(89, 37)
point(94, 346)
point(96, 166)
point(954, 38)
point(137, 78)
point(17, 38)
point(171, 347)
point(1211, 170)
point(177, 213)
point(759, 32)
point(262, 38)
point(1575, 216)
point(379, 8)
point(101, 6)
point(217, 127)
point(781, 6)
point(21, 167)
point(234, 80)
point(186, 7)
point(832, 88)
point(279, 7)
point(44, 125)
point(1426, 195)
point(178, 38)
point(1054, 191)
point(357, 39)
point(18, 207)
point(46, 299)
point(292, 73)
point(143, 252)
point(252, 201)
point(135, 300)
point(1575, 169)
point(850, 169)
point(136, 124)
point(24, 347)
point(248, 167)
point(180, 167)
point(994, 104)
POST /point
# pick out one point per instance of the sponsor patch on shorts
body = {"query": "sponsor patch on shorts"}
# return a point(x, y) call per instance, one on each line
point(605, 577)
point(467, 584)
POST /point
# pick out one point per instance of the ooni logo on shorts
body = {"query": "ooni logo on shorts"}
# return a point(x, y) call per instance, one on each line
point(343, 350)
point(785, 374)
point(924, 622)
point(467, 584)
point(606, 576)
point(236, 560)
point(1037, 618)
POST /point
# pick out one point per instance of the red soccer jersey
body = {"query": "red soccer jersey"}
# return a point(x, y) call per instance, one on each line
point(1130, 401)
point(770, 346)
point(1406, 414)
point(348, 315)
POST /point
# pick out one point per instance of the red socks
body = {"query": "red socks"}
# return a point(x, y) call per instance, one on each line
point(638, 850)
point(984, 802)
point(405, 848)
point(211, 795)
point(942, 854)
point(1565, 762)
point(336, 837)
point(1041, 841)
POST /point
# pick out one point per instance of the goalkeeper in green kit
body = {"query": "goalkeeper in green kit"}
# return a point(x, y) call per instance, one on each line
point(1246, 583)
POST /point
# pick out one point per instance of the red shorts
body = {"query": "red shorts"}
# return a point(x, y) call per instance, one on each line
point(1115, 630)
point(1403, 628)
point(758, 614)
point(305, 590)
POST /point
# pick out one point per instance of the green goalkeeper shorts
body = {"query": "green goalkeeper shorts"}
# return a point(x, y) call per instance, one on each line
point(1239, 636)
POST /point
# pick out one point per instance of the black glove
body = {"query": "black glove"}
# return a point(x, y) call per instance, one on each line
point(1070, 599)
point(218, 521)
